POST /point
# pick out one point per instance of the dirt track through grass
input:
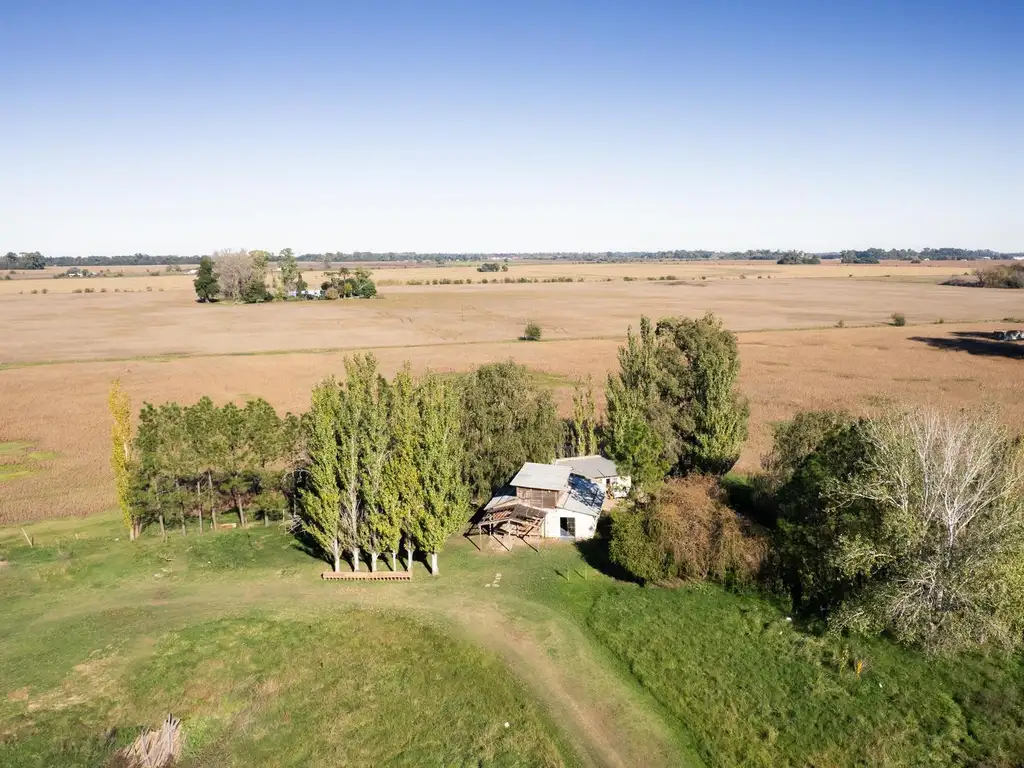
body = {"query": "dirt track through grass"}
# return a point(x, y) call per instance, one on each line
point(606, 720)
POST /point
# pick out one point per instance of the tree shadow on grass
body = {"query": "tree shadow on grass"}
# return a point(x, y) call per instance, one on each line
point(984, 343)
point(595, 552)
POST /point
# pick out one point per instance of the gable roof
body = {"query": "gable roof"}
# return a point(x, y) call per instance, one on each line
point(590, 466)
point(545, 477)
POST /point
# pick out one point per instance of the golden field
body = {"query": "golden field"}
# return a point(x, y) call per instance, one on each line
point(61, 349)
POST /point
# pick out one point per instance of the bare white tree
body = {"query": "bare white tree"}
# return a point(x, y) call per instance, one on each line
point(234, 271)
point(943, 554)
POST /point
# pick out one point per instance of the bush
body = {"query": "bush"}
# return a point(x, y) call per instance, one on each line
point(332, 294)
point(899, 319)
point(1001, 276)
point(685, 530)
point(532, 332)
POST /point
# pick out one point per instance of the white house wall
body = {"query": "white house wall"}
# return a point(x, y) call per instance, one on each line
point(585, 524)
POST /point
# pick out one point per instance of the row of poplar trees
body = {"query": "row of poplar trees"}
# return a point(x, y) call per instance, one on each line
point(385, 466)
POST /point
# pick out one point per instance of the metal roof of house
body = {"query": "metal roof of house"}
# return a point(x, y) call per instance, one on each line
point(545, 477)
point(590, 466)
point(585, 497)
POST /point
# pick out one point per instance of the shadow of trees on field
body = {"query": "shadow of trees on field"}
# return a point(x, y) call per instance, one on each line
point(595, 552)
point(975, 343)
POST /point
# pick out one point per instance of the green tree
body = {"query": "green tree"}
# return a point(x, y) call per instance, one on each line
point(265, 437)
point(360, 378)
point(401, 490)
point(376, 438)
point(810, 522)
point(702, 365)
point(795, 440)
point(442, 459)
point(202, 424)
point(122, 456)
point(205, 283)
point(236, 478)
point(321, 498)
point(632, 440)
point(582, 437)
point(507, 420)
point(640, 434)
point(291, 275)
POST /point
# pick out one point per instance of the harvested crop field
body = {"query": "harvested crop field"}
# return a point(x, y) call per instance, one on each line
point(62, 348)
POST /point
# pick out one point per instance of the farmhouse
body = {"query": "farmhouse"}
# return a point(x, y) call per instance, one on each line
point(545, 500)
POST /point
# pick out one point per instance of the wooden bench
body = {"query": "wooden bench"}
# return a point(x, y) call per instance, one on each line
point(367, 576)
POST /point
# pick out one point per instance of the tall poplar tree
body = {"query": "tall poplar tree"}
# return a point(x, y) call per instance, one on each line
point(401, 491)
point(321, 499)
point(373, 455)
point(441, 465)
point(122, 457)
point(583, 424)
point(360, 375)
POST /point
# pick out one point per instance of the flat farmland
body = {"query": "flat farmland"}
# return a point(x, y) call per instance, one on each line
point(60, 350)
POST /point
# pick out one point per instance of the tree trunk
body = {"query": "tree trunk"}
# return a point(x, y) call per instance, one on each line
point(199, 498)
point(266, 518)
point(355, 559)
point(433, 564)
point(163, 531)
point(337, 556)
point(241, 512)
point(373, 562)
point(213, 507)
point(394, 561)
point(408, 558)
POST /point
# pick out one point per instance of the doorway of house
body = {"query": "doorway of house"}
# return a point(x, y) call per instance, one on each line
point(567, 527)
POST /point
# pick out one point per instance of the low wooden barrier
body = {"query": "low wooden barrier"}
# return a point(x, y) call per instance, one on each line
point(367, 576)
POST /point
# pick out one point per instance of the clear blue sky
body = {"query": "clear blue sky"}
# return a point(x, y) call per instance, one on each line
point(182, 127)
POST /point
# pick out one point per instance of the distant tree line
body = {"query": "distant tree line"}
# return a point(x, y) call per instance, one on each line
point(869, 255)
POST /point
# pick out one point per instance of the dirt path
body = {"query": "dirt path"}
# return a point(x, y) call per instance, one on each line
point(601, 716)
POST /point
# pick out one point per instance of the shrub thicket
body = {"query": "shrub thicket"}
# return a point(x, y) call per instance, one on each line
point(1001, 276)
point(685, 530)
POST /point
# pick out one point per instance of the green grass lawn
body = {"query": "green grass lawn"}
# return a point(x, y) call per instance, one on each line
point(265, 664)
